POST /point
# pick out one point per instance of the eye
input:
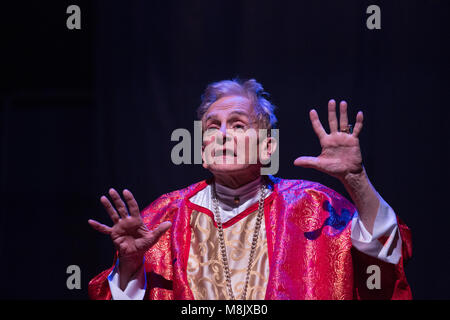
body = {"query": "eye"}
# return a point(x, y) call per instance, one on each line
point(211, 130)
point(238, 126)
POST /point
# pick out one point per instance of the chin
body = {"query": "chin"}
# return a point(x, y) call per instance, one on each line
point(231, 168)
point(228, 167)
point(235, 165)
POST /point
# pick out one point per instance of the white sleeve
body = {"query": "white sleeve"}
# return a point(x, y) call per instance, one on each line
point(135, 289)
point(385, 226)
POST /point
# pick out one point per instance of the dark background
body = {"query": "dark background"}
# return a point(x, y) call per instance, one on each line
point(85, 110)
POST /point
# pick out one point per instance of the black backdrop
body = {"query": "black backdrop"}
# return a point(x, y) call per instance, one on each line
point(84, 110)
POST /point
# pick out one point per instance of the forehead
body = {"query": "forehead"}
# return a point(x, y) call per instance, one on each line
point(228, 105)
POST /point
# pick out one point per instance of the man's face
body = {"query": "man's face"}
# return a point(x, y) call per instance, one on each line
point(230, 136)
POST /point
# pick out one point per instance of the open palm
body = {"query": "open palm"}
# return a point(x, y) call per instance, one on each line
point(130, 235)
point(341, 153)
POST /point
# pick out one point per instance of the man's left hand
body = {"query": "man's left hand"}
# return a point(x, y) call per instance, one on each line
point(341, 153)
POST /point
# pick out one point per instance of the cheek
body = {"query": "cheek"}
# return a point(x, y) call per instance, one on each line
point(247, 148)
point(208, 139)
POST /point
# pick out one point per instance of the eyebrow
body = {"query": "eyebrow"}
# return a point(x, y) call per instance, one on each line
point(236, 112)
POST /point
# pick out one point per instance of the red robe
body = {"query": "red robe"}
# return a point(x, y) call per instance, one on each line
point(308, 228)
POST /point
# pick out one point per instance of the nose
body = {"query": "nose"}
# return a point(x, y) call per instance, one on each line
point(224, 134)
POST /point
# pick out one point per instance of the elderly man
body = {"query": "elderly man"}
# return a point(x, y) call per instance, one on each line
point(243, 235)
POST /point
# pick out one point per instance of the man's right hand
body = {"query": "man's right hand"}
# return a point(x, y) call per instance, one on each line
point(129, 234)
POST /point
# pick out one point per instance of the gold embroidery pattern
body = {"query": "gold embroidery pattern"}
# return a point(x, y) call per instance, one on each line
point(205, 272)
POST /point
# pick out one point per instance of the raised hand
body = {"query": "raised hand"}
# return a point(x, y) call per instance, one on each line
point(341, 153)
point(129, 234)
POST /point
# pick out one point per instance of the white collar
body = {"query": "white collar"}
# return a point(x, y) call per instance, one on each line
point(228, 209)
point(227, 196)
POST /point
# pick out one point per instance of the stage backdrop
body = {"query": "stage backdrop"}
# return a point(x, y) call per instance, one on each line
point(85, 110)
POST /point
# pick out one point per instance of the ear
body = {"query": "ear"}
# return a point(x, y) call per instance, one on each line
point(268, 147)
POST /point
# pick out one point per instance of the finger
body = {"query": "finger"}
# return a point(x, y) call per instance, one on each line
point(99, 226)
point(132, 205)
point(358, 124)
point(110, 209)
point(332, 119)
point(343, 117)
point(316, 124)
point(118, 203)
point(160, 230)
point(307, 162)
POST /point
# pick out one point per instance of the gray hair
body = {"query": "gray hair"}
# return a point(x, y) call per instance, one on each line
point(250, 89)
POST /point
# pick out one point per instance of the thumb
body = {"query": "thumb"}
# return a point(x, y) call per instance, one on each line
point(160, 230)
point(307, 162)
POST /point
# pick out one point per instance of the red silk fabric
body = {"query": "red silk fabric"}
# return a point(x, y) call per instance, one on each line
point(308, 229)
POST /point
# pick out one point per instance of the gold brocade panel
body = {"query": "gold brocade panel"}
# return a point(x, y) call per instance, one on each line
point(205, 272)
